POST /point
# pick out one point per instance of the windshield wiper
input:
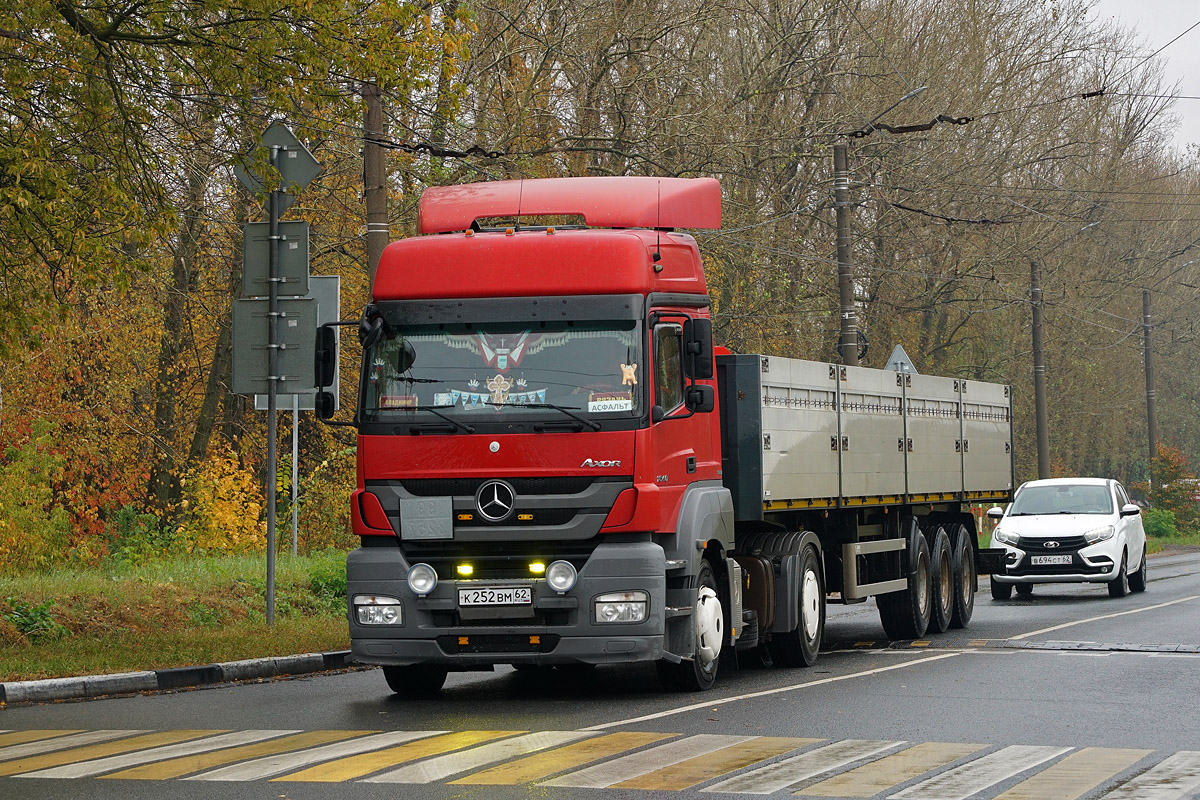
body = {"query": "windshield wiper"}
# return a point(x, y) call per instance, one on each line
point(593, 425)
point(434, 410)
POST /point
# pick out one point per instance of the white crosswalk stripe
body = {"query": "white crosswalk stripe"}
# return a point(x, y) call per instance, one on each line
point(436, 769)
point(979, 774)
point(637, 764)
point(793, 770)
point(1174, 778)
point(112, 763)
point(63, 743)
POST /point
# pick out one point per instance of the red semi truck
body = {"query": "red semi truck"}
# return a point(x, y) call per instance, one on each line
point(556, 466)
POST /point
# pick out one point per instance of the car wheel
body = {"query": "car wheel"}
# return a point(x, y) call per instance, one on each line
point(965, 578)
point(942, 573)
point(1119, 586)
point(1024, 589)
point(905, 614)
point(1137, 581)
point(1001, 591)
point(699, 673)
point(415, 680)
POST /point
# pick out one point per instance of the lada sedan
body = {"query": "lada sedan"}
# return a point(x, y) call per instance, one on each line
point(1070, 530)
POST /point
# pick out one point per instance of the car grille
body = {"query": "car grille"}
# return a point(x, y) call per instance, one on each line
point(1066, 544)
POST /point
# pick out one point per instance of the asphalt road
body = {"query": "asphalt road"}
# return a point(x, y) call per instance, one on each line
point(1066, 694)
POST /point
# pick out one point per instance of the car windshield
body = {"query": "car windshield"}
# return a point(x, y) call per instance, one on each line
point(497, 372)
point(1062, 499)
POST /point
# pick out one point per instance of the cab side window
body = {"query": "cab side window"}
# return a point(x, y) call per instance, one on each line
point(668, 366)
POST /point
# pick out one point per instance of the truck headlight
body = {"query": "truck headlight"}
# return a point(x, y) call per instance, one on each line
point(421, 579)
point(622, 607)
point(561, 576)
point(375, 609)
point(1007, 537)
point(1100, 534)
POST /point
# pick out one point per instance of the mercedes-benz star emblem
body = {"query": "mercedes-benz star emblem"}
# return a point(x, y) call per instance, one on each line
point(495, 501)
point(1051, 545)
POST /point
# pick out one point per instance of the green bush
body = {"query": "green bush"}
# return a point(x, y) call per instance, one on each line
point(136, 538)
point(1159, 523)
point(35, 622)
point(35, 534)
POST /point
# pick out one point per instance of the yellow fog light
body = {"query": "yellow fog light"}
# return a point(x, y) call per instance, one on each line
point(537, 567)
point(464, 569)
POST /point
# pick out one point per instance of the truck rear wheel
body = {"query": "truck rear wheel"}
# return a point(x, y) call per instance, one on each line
point(905, 614)
point(942, 578)
point(965, 578)
point(800, 648)
point(415, 680)
point(699, 673)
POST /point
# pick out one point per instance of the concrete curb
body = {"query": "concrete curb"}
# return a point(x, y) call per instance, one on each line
point(178, 678)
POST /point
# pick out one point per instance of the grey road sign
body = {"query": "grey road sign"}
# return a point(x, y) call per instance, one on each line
point(327, 291)
point(291, 268)
point(297, 332)
point(295, 163)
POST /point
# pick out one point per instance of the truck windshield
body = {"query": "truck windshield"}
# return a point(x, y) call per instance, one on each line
point(504, 372)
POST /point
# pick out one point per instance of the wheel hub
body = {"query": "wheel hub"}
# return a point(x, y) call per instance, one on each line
point(709, 626)
point(810, 605)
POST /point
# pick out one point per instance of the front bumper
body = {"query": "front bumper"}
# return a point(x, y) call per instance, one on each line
point(553, 629)
point(1096, 563)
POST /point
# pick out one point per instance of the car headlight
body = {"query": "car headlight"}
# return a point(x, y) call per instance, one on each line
point(622, 607)
point(375, 609)
point(421, 579)
point(1007, 537)
point(561, 575)
point(1100, 534)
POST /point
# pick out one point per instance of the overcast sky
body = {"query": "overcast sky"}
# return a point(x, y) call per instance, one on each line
point(1158, 22)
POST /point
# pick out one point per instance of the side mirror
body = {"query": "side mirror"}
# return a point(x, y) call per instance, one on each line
point(370, 331)
point(1130, 510)
point(326, 356)
point(325, 405)
point(657, 414)
point(701, 398)
point(698, 349)
point(995, 512)
point(405, 357)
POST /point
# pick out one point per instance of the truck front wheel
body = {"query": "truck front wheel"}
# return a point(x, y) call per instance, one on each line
point(415, 680)
point(800, 648)
point(699, 673)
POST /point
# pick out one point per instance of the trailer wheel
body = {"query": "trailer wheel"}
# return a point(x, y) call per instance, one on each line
point(699, 673)
point(905, 614)
point(942, 577)
point(800, 648)
point(415, 680)
point(965, 578)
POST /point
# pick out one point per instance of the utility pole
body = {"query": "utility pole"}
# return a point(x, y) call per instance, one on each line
point(848, 338)
point(374, 176)
point(1151, 422)
point(1039, 374)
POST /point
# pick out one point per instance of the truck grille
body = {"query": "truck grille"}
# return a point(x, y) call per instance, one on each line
point(449, 487)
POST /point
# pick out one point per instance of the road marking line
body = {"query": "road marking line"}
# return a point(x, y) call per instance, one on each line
point(975, 776)
point(97, 766)
point(62, 743)
point(286, 762)
point(1173, 778)
point(1105, 616)
point(532, 768)
point(704, 768)
point(101, 750)
point(873, 778)
point(22, 737)
point(768, 692)
point(636, 764)
point(1075, 775)
point(177, 767)
point(346, 769)
point(436, 769)
point(795, 769)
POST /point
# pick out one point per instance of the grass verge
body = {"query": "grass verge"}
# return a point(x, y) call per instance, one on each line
point(172, 613)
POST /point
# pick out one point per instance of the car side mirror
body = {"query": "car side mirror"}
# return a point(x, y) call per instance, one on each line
point(995, 512)
point(1130, 510)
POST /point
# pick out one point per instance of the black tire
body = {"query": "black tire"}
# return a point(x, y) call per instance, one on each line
point(415, 680)
point(1000, 591)
point(1119, 586)
point(905, 614)
point(800, 648)
point(696, 674)
point(1137, 580)
point(941, 564)
point(1024, 589)
point(965, 578)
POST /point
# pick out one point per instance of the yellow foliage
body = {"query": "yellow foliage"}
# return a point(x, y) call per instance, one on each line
point(222, 507)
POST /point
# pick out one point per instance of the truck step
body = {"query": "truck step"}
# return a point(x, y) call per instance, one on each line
point(679, 611)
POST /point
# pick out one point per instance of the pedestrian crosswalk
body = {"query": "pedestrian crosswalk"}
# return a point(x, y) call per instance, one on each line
point(623, 760)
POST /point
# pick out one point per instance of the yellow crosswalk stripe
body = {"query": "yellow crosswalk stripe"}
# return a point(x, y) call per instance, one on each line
point(1075, 775)
point(871, 779)
point(346, 769)
point(175, 767)
point(21, 737)
point(703, 768)
point(100, 750)
point(531, 768)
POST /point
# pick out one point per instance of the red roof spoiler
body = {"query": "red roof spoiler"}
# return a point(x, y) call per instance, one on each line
point(604, 202)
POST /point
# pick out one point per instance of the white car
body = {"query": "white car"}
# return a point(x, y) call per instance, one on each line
point(1070, 530)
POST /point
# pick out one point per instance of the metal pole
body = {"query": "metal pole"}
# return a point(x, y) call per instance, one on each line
point(272, 383)
point(374, 177)
point(848, 339)
point(295, 469)
point(1039, 374)
point(1151, 421)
